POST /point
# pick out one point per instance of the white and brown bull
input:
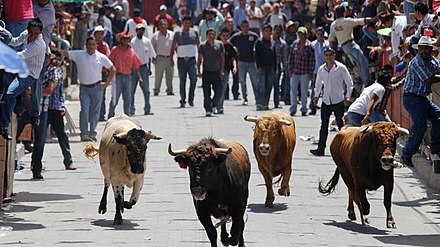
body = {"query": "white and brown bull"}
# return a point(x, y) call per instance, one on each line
point(122, 159)
point(274, 142)
point(364, 158)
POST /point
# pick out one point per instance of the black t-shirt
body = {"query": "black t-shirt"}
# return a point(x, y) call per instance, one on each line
point(230, 54)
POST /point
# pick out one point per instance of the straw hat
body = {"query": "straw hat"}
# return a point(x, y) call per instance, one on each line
point(425, 41)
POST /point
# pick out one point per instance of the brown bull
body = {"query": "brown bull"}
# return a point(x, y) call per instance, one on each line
point(364, 157)
point(274, 142)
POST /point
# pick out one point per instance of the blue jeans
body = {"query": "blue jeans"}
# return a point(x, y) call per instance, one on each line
point(90, 100)
point(122, 86)
point(421, 109)
point(17, 27)
point(225, 81)
point(251, 68)
point(143, 70)
point(326, 112)
point(408, 8)
point(265, 84)
point(56, 121)
point(355, 53)
point(295, 80)
point(13, 86)
point(36, 89)
point(187, 66)
point(39, 142)
point(379, 116)
point(355, 119)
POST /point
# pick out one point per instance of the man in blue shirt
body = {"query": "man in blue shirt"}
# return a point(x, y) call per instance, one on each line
point(423, 71)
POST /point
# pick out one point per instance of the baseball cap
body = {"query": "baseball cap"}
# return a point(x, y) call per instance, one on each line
point(98, 29)
point(140, 25)
point(118, 8)
point(329, 49)
point(163, 7)
point(302, 30)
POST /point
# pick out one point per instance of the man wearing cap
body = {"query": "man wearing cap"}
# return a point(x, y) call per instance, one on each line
point(276, 17)
point(144, 49)
point(126, 62)
point(334, 82)
point(213, 19)
point(118, 21)
point(103, 47)
point(163, 15)
point(423, 71)
point(130, 26)
point(162, 41)
point(301, 66)
point(90, 63)
point(185, 43)
point(342, 31)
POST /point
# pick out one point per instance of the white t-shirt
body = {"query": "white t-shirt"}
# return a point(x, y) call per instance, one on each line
point(143, 48)
point(89, 66)
point(359, 106)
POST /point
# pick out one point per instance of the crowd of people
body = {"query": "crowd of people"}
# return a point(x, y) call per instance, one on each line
point(301, 51)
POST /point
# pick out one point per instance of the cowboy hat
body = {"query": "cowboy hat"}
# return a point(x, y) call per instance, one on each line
point(123, 35)
point(425, 41)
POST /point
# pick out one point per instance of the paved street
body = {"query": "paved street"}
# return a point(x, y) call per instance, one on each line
point(62, 210)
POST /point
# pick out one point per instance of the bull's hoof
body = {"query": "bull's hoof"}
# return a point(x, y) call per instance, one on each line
point(127, 205)
point(365, 220)
point(268, 204)
point(233, 241)
point(102, 209)
point(284, 192)
point(117, 222)
point(391, 223)
point(225, 240)
point(352, 216)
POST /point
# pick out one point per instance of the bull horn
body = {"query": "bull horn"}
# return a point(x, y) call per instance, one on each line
point(366, 129)
point(175, 153)
point(250, 119)
point(223, 150)
point(284, 122)
point(153, 136)
point(403, 131)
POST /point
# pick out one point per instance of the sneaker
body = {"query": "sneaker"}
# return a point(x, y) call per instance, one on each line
point(260, 108)
point(407, 160)
point(182, 105)
point(292, 114)
point(156, 93)
point(245, 102)
point(28, 147)
point(266, 108)
point(93, 138)
point(312, 113)
point(303, 114)
point(208, 114)
point(5, 134)
point(148, 113)
point(85, 138)
point(37, 175)
point(70, 167)
point(170, 94)
point(317, 152)
point(191, 103)
point(278, 107)
point(220, 111)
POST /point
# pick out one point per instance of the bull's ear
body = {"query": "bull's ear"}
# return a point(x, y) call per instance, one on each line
point(180, 159)
point(121, 138)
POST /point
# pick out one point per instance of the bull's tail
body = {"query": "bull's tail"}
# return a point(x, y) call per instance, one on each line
point(90, 151)
point(331, 185)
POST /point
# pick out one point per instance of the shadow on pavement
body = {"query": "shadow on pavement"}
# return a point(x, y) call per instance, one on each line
point(19, 224)
point(127, 225)
point(260, 208)
point(358, 228)
point(431, 240)
point(41, 197)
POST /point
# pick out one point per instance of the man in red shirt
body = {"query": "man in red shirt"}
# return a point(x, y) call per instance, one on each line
point(103, 47)
point(163, 15)
point(125, 60)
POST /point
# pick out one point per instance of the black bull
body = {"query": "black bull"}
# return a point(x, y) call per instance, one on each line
point(365, 160)
point(219, 173)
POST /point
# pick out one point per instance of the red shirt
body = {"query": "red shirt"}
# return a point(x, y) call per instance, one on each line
point(18, 10)
point(104, 49)
point(124, 59)
point(168, 17)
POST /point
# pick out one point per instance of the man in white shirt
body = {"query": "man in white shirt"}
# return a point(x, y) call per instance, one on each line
point(144, 49)
point(90, 63)
point(162, 41)
point(336, 85)
point(33, 53)
point(131, 24)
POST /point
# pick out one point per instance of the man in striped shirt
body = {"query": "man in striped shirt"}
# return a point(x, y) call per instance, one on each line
point(33, 54)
